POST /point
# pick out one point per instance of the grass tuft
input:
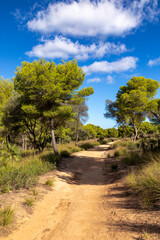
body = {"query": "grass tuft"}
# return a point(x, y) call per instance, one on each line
point(29, 201)
point(34, 191)
point(6, 216)
point(49, 182)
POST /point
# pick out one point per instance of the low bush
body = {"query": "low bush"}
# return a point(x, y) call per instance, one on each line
point(132, 158)
point(65, 153)
point(120, 152)
point(145, 182)
point(49, 182)
point(88, 145)
point(76, 149)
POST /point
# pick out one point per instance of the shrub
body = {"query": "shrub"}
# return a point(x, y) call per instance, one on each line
point(6, 216)
point(49, 182)
point(132, 158)
point(146, 183)
point(65, 153)
point(24, 174)
point(76, 149)
point(6, 188)
point(89, 145)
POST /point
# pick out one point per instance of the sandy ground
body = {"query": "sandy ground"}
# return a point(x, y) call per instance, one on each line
point(88, 202)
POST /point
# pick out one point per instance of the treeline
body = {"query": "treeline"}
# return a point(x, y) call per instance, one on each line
point(39, 100)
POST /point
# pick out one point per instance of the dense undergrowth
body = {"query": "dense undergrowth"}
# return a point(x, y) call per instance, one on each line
point(21, 169)
point(144, 178)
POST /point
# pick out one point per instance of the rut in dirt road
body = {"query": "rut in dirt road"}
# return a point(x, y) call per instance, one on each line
point(87, 203)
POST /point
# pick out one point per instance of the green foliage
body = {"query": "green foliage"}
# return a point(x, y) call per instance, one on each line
point(29, 201)
point(44, 96)
point(132, 102)
point(132, 158)
point(148, 128)
point(65, 153)
point(94, 131)
point(112, 132)
point(48, 157)
point(6, 90)
point(6, 216)
point(91, 131)
point(49, 182)
point(9, 154)
point(88, 145)
point(128, 145)
point(125, 131)
point(25, 173)
point(146, 182)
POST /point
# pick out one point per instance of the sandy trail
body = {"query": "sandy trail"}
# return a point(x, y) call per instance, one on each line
point(87, 203)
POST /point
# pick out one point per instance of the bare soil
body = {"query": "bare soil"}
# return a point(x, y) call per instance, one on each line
point(87, 202)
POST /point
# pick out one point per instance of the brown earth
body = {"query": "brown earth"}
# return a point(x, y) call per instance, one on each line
point(88, 202)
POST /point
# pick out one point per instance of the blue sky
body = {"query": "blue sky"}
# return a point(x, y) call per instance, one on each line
point(112, 40)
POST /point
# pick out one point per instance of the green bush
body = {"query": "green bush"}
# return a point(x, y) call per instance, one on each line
point(49, 182)
point(132, 158)
point(65, 153)
point(88, 145)
point(76, 149)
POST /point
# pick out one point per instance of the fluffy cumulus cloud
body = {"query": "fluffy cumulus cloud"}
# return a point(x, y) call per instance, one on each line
point(91, 18)
point(121, 65)
point(62, 47)
point(94, 80)
point(155, 62)
point(110, 79)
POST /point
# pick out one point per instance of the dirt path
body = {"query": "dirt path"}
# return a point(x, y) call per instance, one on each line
point(88, 203)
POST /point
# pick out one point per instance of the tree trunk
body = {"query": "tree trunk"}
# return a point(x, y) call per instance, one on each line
point(77, 128)
point(53, 139)
point(135, 132)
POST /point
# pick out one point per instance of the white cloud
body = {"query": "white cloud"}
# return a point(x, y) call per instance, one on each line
point(121, 65)
point(94, 80)
point(110, 79)
point(154, 62)
point(62, 47)
point(91, 18)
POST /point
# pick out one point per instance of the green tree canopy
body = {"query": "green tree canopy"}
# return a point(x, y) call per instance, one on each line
point(6, 90)
point(46, 89)
point(132, 102)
